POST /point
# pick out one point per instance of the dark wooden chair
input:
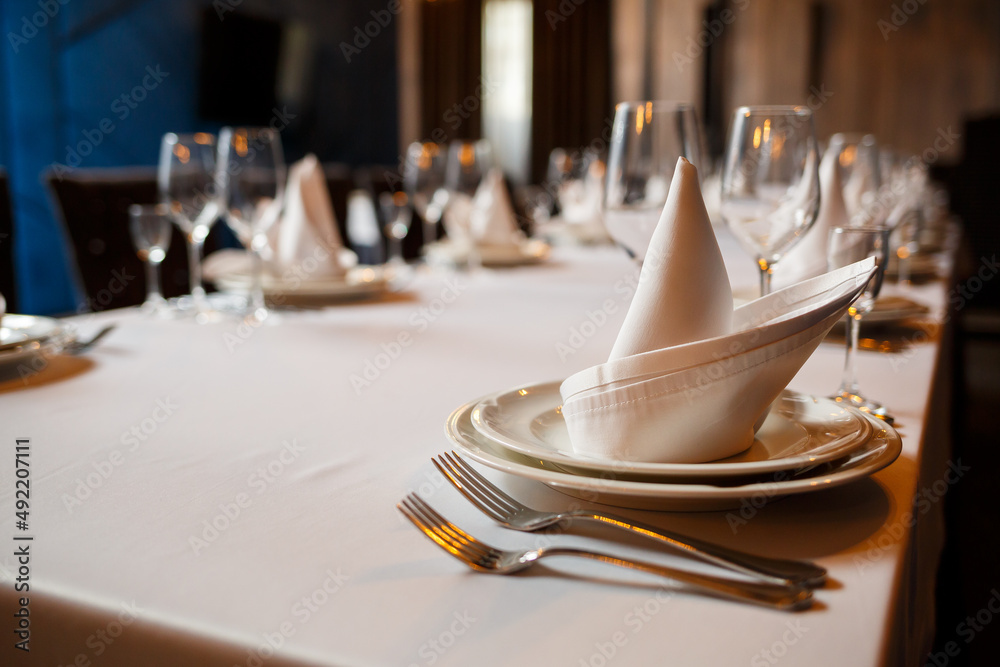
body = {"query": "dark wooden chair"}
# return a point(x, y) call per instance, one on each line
point(93, 204)
point(7, 286)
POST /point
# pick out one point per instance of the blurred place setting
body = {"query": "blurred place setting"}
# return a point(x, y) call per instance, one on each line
point(322, 324)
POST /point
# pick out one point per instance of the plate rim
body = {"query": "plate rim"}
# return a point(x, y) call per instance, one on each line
point(881, 456)
point(676, 470)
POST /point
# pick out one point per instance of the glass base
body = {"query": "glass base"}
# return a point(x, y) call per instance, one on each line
point(855, 400)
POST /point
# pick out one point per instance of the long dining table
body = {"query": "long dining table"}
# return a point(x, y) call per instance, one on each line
point(226, 494)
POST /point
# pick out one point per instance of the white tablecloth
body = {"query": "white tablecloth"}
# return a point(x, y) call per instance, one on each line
point(203, 493)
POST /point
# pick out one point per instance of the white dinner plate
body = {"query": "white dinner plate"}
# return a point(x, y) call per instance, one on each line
point(360, 282)
point(893, 308)
point(26, 338)
point(881, 449)
point(530, 251)
point(19, 330)
point(800, 431)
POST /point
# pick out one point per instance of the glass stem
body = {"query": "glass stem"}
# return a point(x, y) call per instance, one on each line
point(765, 276)
point(257, 307)
point(849, 383)
point(153, 292)
point(195, 242)
point(430, 230)
point(395, 250)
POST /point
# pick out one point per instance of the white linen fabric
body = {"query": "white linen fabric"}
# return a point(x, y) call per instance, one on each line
point(807, 259)
point(703, 400)
point(257, 443)
point(689, 380)
point(684, 292)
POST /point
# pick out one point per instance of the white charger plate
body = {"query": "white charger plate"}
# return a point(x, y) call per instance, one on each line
point(359, 283)
point(19, 330)
point(892, 308)
point(530, 251)
point(800, 431)
point(880, 450)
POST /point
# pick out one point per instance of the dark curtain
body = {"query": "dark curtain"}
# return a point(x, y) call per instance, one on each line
point(571, 91)
point(451, 67)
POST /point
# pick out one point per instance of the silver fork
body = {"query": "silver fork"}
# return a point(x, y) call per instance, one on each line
point(510, 513)
point(482, 557)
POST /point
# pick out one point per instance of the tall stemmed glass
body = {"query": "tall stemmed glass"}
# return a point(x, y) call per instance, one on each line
point(396, 216)
point(423, 179)
point(770, 182)
point(185, 179)
point(468, 162)
point(149, 227)
point(251, 175)
point(859, 162)
point(848, 245)
point(646, 140)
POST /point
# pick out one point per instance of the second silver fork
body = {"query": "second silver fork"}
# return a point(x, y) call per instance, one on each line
point(510, 513)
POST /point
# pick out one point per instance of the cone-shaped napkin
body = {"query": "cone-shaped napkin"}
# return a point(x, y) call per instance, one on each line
point(486, 219)
point(807, 259)
point(308, 227)
point(493, 221)
point(683, 293)
point(690, 377)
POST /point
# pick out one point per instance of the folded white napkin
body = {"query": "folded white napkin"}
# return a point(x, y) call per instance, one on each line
point(304, 244)
point(485, 219)
point(308, 227)
point(684, 293)
point(689, 377)
point(807, 259)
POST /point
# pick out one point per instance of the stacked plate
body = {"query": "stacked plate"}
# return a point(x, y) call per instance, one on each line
point(24, 338)
point(806, 444)
point(529, 251)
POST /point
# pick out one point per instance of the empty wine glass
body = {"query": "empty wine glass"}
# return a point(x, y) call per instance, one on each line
point(849, 245)
point(860, 163)
point(468, 162)
point(423, 179)
point(150, 229)
point(251, 174)
point(185, 179)
point(770, 182)
point(646, 140)
point(396, 217)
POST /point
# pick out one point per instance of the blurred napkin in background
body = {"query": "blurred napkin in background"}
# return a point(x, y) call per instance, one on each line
point(689, 377)
point(487, 219)
point(308, 226)
point(807, 259)
point(304, 242)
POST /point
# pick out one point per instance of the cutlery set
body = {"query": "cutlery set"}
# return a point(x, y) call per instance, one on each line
point(777, 583)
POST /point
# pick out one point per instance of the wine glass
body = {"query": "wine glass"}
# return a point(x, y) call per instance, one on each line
point(185, 179)
point(647, 138)
point(468, 162)
point(848, 245)
point(860, 164)
point(396, 217)
point(251, 174)
point(150, 229)
point(423, 179)
point(770, 182)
